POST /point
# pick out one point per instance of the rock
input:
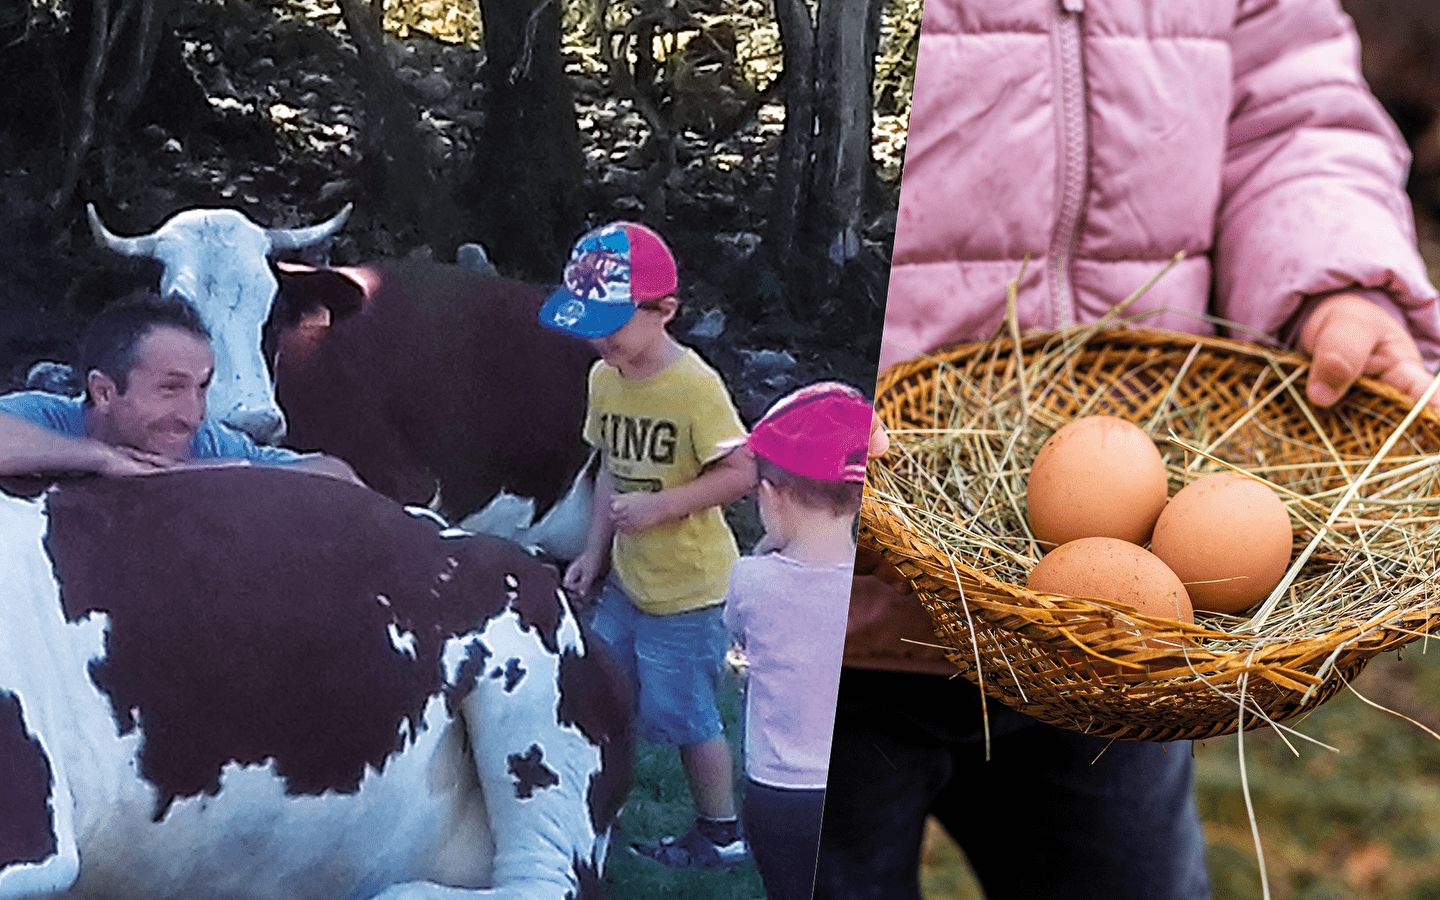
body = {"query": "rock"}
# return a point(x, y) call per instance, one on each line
point(439, 146)
point(433, 88)
point(54, 378)
point(741, 245)
point(710, 326)
point(335, 190)
point(771, 368)
point(474, 258)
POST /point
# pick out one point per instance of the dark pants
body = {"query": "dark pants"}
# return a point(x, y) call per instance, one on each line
point(1052, 814)
point(782, 828)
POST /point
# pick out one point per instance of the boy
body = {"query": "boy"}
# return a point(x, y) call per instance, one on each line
point(661, 418)
point(786, 607)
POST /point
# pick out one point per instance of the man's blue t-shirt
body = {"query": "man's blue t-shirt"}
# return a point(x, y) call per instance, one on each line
point(213, 440)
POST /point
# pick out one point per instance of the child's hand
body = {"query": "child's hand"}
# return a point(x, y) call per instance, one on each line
point(879, 440)
point(736, 662)
point(639, 510)
point(581, 574)
point(1348, 336)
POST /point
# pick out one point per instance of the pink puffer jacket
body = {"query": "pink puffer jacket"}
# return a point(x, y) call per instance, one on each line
point(1100, 137)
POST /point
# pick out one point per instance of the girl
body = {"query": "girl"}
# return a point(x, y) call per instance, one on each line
point(786, 607)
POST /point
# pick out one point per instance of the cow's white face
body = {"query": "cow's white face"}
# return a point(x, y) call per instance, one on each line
point(217, 260)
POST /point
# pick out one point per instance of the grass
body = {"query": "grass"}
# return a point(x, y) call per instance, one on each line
point(659, 805)
point(1354, 823)
point(1357, 822)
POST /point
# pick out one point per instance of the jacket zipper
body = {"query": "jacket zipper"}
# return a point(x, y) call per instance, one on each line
point(1073, 142)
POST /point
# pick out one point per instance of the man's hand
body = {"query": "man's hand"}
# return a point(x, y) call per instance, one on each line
point(119, 461)
point(1348, 336)
point(639, 510)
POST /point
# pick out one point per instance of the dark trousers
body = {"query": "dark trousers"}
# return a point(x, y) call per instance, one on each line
point(782, 828)
point(1053, 813)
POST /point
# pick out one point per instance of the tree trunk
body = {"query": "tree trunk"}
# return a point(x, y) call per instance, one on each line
point(529, 169)
point(397, 168)
point(848, 39)
point(120, 38)
point(825, 165)
point(797, 38)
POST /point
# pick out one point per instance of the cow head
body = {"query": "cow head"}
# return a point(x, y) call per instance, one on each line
point(218, 259)
point(308, 300)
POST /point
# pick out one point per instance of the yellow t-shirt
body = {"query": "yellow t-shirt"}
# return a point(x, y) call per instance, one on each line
point(659, 433)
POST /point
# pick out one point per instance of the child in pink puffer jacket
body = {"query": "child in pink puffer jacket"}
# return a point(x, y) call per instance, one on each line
point(1098, 139)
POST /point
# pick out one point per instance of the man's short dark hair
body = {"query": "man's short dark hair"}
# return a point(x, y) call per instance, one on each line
point(840, 498)
point(110, 343)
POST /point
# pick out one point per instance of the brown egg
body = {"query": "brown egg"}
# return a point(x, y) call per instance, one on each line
point(1099, 476)
point(1228, 537)
point(1118, 570)
point(1112, 569)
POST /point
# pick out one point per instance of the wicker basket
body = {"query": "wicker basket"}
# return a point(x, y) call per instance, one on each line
point(1083, 664)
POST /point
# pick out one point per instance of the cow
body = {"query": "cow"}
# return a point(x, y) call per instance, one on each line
point(215, 258)
point(430, 377)
point(436, 382)
point(249, 683)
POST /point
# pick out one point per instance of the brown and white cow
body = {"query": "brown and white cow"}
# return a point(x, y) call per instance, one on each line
point(257, 684)
point(427, 376)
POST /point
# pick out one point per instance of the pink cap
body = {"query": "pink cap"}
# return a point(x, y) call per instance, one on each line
point(652, 265)
point(821, 431)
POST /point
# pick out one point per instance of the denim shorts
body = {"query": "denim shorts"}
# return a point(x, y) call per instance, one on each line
point(673, 663)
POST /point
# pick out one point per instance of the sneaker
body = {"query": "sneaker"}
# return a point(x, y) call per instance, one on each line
point(693, 850)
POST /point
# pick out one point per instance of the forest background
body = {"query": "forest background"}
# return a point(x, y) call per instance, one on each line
point(764, 142)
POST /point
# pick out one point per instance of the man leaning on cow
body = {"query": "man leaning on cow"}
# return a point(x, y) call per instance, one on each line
point(148, 363)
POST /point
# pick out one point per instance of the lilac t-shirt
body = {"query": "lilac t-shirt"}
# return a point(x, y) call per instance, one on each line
point(790, 616)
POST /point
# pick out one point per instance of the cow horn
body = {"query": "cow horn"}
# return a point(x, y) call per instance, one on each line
point(300, 238)
point(144, 245)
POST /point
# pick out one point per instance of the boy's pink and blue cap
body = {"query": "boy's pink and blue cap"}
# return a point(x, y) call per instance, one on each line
point(821, 431)
point(612, 270)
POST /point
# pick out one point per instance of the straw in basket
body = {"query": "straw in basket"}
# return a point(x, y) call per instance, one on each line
point(1360, 481)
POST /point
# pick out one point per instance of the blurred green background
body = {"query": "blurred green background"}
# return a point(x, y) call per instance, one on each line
point(1360, 822)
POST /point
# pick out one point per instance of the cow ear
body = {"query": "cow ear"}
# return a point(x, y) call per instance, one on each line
point(303, 290)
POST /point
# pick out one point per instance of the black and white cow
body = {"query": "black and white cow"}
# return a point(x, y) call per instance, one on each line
point(250, 683)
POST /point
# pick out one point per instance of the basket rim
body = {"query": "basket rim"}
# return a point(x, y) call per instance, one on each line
point(1124, 333)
